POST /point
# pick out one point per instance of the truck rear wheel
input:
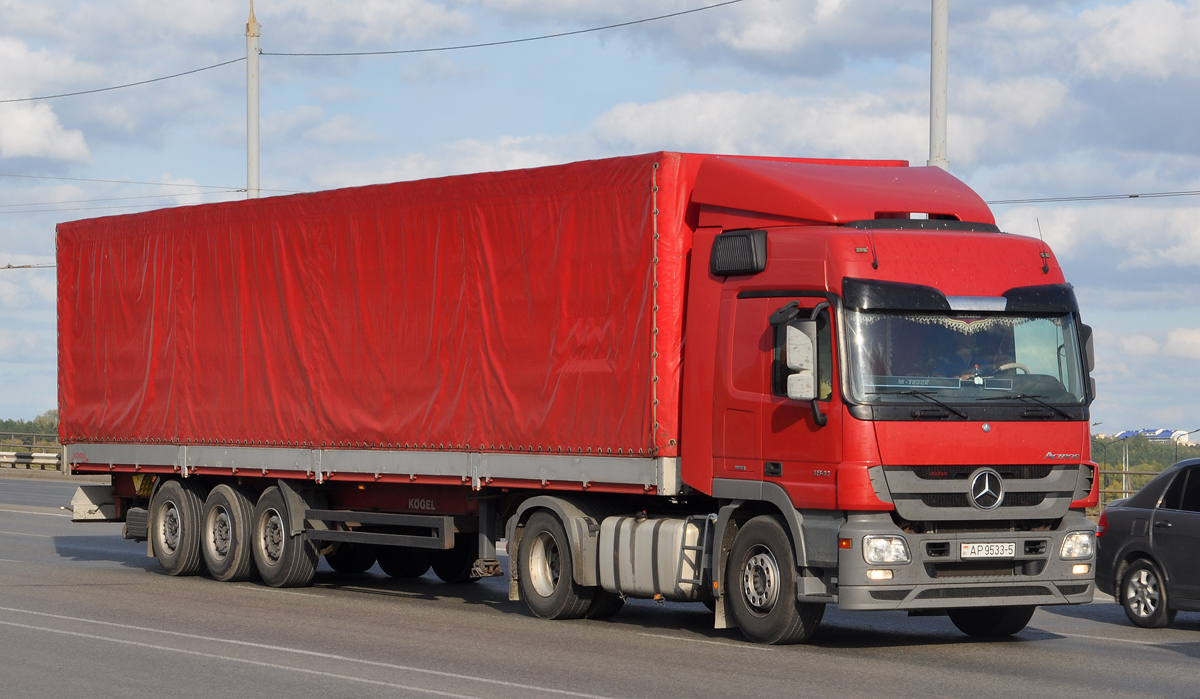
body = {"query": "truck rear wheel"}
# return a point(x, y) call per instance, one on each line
point(403, 562)
point(545, 567)
point(282, 560)
point(351, 559)
point(760, 577)
point(225, 533)
point(175, 527)
point(454, 565)
point(990, 622)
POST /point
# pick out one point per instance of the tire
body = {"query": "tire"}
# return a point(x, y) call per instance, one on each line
point(403, 563)
point(991, 622)
point(351, 559)
point(454, 565)
point(545, 571)
point(175, 527)
point(1143, 596)
point(282, 560)
point(225, 533)
point(760, 577)
point(605, 605)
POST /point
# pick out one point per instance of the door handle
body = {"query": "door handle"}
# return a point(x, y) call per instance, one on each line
point(1162, 524)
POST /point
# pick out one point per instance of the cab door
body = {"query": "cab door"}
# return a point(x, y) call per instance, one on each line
point(798, 452)
point(740, 381)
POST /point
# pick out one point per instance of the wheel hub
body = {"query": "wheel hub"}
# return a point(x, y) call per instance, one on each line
point(273, 536)
point(1143, 595)
point(170, 527)
point(544, 564)
point(221, 534)
point(760, 581)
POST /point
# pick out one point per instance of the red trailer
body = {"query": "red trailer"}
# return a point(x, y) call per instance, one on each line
point(766, 384)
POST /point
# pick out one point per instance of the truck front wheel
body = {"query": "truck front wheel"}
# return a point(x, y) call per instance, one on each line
point(545, 566)
point(175, 527)
point(991, 622)
point(225, 534)
point(760, 577)
point(282, 560)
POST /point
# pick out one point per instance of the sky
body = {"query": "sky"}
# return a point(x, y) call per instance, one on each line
point(1046, 100)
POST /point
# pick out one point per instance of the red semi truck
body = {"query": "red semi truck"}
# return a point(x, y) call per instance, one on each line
point(765, 384)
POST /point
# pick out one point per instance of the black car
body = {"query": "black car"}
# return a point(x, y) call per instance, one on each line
point(1148, 547)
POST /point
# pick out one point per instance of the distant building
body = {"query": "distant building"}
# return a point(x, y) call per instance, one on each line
point(1156, 435)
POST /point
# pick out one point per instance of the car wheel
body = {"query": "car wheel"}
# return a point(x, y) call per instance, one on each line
point(1143, 594)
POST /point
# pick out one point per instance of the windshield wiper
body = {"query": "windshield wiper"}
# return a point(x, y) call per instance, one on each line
point(1032, 399)
point(925, 396)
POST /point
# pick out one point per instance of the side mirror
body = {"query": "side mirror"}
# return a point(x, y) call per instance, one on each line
point(800, 357)
point(1089, 350)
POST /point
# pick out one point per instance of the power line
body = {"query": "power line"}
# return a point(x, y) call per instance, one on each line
point(89, 201)
point(45, 266)
point(509, 41)
point(378, 53)
point(155, 184)
point(121, 87)
point(1096, 197)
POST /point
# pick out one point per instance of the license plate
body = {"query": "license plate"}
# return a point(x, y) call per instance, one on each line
point(993, 550)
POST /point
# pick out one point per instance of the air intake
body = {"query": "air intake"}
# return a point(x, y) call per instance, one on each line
point(739, 252)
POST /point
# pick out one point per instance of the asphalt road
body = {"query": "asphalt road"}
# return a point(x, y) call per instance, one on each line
point(86, 613)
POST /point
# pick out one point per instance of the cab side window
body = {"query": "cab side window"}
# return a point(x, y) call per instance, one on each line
point(1191, 492)
point(824, 357)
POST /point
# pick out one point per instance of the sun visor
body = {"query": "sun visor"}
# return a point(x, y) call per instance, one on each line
point(826, 192)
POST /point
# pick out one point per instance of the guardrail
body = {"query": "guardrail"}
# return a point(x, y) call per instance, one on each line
point(34, 460)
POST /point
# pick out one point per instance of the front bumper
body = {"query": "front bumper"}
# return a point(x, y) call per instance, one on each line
point(938, 578)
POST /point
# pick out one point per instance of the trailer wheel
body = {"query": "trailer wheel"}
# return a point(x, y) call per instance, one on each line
point(351, 559)
point(761, 582)
point(604, 605)
point(454, 565)
point(403, 562)
point(990, 622)
point(175, 527)
point(225, 533)
point(545, 566)
point(282, 560)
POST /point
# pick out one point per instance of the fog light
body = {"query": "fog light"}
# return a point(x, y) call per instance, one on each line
point(1078, 545)
point(1081, 569)
point(880, 574)
point(885, 549)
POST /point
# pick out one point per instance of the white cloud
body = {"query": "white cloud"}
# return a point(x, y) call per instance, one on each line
point(1143, 236)
point(33, 131)
point(1183, 342)
point(1138, 345)
point(1150, 38)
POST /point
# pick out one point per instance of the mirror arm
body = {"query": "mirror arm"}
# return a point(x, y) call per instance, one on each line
point(817, 309)
point(818, 417)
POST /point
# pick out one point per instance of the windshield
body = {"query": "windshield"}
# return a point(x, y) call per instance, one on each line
point(898, 356)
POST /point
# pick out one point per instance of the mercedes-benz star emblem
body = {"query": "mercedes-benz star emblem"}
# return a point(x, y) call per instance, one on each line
point(987, 490)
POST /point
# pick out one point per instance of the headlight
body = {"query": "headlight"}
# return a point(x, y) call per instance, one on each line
point(885, 549)
point(1078, 545)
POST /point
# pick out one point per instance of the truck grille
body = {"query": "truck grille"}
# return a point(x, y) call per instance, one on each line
point(960, 499)
point(1009, 471)
point(997, 591)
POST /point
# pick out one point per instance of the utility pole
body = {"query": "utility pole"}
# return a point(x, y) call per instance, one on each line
point(252, 52)
point(939, 60)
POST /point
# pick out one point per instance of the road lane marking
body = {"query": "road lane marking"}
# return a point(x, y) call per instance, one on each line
point(40, 536)
point(1106, 638)
point(27, 512)
point(257, 663)
point(255, 588)
point(310, 653)
point(711, 643)
point(9, 560)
